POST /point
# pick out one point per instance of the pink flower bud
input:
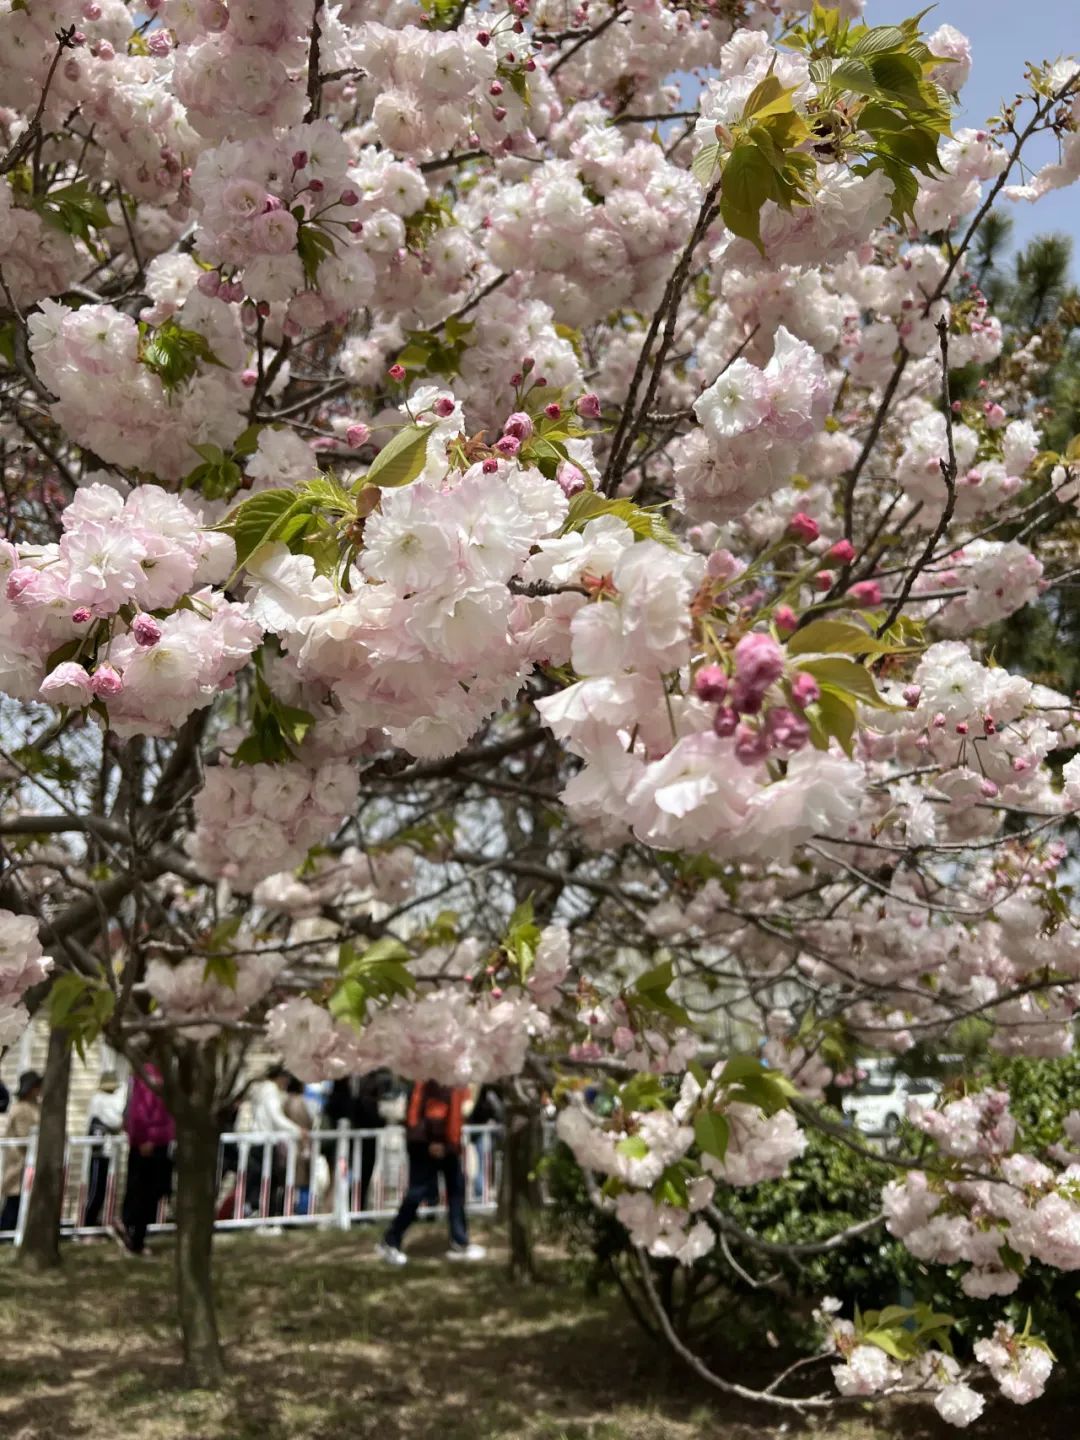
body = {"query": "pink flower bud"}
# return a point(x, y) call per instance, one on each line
point(569, 478)
point(499, 114)
point(989, 789)
point(355, 227)
point(349, 197)
point(396, 372)
point(208, 283)
point(248, 378)
point(443, 406)
point(553, 411)
point(508, 445)
point(159, 43)
point(299, 159)
point(962, 728)
point(68, 684)
point(786, 619)
point(711, 684)
point(803, 528)
point(490, 466)
point(588, 406)
point(842, 553)
point(528, 365)
point(911, 695)
point(81, 615)
point(519, 425)
point(105, 683)
point(938, 721)
point(263, 309)
point(725, 721)
point(483, 37)
point(823, 580)
point(146, 630)
point(786, 729)
point(804, 690)
point(866, 592)
point(316, 187)
point(995, 415)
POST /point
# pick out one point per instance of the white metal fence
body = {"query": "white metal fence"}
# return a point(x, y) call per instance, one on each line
point(328, 1178)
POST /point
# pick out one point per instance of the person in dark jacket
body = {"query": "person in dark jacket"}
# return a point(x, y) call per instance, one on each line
point(433, 1130)
point(150, 1131)
point(356, 1101)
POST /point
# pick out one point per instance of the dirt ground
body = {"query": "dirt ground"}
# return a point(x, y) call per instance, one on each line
point(326, 1343)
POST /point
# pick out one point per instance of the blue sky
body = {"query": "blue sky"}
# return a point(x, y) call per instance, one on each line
point(1004, 34)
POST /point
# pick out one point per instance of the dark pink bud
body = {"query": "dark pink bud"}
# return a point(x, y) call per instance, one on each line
point(711, 684)
point(499, 114)
point(490, 466)
point(725, 722)
point(842, 553)
point(357, 435)
point(866, 592)
point(81, 615)
point(962, 728)
point(912, 694)
point(588, 406)
point(804, 690)
point(553, 411)
point(299, 159)
point(443, 406)
point(495, 88)
point(508, 445)
point(483, 37)
point(823, 580)
point(396, 372)
point(786, 619)
point(146, 630)
point(803, 528)
point(316, 187)
point(349, 197)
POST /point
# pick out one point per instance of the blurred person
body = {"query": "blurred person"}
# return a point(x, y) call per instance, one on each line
point(105, 1117)
point(434, 1133)
point(269, 1117)
point(296, 1108)
point(23, 1118)
point(151, 1131)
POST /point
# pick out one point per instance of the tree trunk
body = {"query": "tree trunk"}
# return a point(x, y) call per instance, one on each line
point(520, 1158)
point(192, 1104)
point(40, 1248)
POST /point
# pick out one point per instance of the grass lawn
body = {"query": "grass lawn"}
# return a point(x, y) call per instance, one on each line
point(326, 1343)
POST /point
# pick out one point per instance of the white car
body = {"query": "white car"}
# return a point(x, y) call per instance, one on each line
point(879, 1101)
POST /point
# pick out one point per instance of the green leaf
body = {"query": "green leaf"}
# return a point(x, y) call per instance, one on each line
point(646, 522)
point(712, 1133)
point(768, 97)
point(75, 209)
point(882, 37)
point(257, 520)
point(894, 1343)
point(847, 678)
point(174, 353)
point(400, 460)
point(837, 637)
point(836, 716)
point(633, 1146)
point(703, 166)
point(747, 179)
point(313, 244)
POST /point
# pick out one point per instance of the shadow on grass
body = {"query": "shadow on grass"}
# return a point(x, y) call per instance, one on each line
point(325, 1343)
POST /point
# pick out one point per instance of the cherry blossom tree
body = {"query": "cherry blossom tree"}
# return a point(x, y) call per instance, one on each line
point(497, 585)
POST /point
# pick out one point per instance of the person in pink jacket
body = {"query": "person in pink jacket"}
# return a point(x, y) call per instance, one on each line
point(150, 1131)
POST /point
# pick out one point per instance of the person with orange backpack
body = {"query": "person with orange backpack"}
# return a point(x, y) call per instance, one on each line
point(433, 1131)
